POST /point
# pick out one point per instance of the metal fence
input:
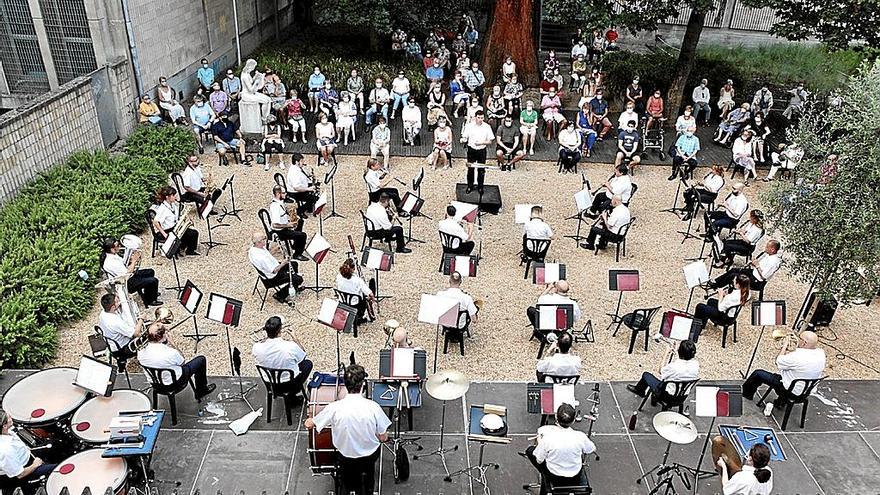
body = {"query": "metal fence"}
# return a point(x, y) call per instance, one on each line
point(715, 17)
point(749, 19)
point(69, 40)
point(19, 49)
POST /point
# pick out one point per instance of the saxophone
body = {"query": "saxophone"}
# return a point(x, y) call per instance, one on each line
point(183, 221)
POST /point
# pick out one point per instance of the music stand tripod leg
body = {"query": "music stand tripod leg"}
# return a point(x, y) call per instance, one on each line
point(615, 318)
point(333, 212)
point(197, 337)
point(409, 236)
point(178, 287)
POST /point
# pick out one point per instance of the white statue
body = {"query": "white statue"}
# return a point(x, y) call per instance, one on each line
point(252, 81)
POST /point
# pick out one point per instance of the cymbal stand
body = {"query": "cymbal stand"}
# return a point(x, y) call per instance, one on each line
point(697, 472)
point(398, 443)
point(480, 468)
point(666, 475)
point(441, 452)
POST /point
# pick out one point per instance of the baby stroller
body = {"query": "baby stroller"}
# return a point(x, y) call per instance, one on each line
point(652, 139)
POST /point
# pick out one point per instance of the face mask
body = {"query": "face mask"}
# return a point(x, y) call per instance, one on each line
point(200, 104)
point(378, 85)
point(205, 65)
point(230, 76)
point(635, 83)
point(441, 124)
point(317, 72)
point(381, 126)
point(688, 133)
point(629, 109)
point(687, 114)
point(599, 97)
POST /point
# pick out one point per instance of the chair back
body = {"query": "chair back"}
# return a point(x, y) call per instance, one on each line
point(266, 221)
point(347, 298)
point(635, 187)
point(733, 317)
point(625, 229)
point(563, 379)
point(644, 316)
point(463, 322)
point(274, 377)
point(449, 241)
point(680, 391)
point(536, 248)
point(177, 179)
point(571, 490)
point(800, 389)
point(280, 181)
point(149, 216)
point(156, 376)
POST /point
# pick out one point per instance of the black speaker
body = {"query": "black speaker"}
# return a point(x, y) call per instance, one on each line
point(489, 201)
point(820, 311)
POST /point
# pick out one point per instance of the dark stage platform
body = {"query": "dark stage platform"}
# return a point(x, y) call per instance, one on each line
point(837, 452)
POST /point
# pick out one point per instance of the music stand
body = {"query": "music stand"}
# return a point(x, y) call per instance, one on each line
point(695, 275)
point(226, 211)
point(679, 325)
point(412, 204)
point(94, 375)
point(318, 249)
point(205, 214)
point(675, 209)
point(190, 297)
point(378, 260)
point(548, 273)
point(583, 200)
point(687, 234)
point(417, 182)
point(339, 317)
point(714, 401)
point(169, 249)
point(438, 311)
point(318, 209)
point(226, 311)
point(621, 281)
point(765, 313)
point(400, 389)
point(328, 179)
point(553, 319)
point(466, 265)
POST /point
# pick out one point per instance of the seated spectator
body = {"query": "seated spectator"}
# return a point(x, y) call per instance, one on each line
point(654, 108)
point(272, 143)
point(442, 57)
point(412, 122)
point(508, 70)
point(547, 84)
point(434, 73)
point(551, 105)
point(513, 92)
point(579, 49)
point(218, 99)
point(761, 130)
point(597, 46)
point(528, 126)
point(293, 109)
point(202, 117)
point(227, 137)
point(762, 101)
point(744, 154)
point(380, 142)
point(725, 99)
point(560, 82)
point(588, 91)
point(355, 87)
point(684, 161)
point(462, 61)
point(275, 90)
point(346, 116)
point(732, 124)
point(413, 49)
point(379, 98)
point(588, 134)
point(599, 115)
point(508, 150)
point(685, 121)
point(458, 93)
point(232, 86)
point(474, 80)
point(628, 114)
point(148, 111)
point(325, 138)
point(459, 46)
point(428, 59)
point(569, 148)
point(436, 105)
point(327, 100)
point(316, 83)
point(551, 62)
point(787, 157)
point(168, 101)
point(442, 144)
point(700, 97)
point(635, 96)
point(205, 75)
point(796, 103)
point(471, 36)
point(628, 146)
point(579, 72)
point(496, 109)
point(684, 368)
point(400, 88)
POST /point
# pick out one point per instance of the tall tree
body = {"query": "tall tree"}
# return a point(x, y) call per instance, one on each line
point(511, 33)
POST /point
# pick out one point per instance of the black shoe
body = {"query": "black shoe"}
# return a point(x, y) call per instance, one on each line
point(671, 177)
point(588, 246)
point(632, 388)
point(602, 246)
point(404, 250)
point(193, 253)
point(156, 302)
point(201, 395)
point(299, 288)
point(212, 212)
point(301, 257)
point(278, 297)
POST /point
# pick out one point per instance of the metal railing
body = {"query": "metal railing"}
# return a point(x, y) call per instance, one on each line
point(19, 49)
point(69, 40)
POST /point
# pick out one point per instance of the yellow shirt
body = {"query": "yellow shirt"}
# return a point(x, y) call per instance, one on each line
point(147, 110)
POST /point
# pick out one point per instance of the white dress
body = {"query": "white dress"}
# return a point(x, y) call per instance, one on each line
point(345, 116)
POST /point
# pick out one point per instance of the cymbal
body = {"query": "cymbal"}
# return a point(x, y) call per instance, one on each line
point(447, 385)
point(674, 427)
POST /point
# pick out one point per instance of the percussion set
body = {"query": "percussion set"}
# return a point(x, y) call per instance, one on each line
point(676, 429)
point(61, 422)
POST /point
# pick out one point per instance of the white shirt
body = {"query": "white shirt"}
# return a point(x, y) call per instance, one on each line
point(578, 50)
point(680, 370)
point(277, 212)
point(113, 265)
point(379, 95)
point(263, 261)
point(158, 355)
point(700, 94)
point(353, 285)
point(769, 265)
point(452, 227)
point(713, 183)
point(166, 215)
point(560, 364)
point(478, 136)
point(562, 449)
point(753, 233)
point(296, 179)
point(279, 354)
point(374, 183)
point(379, 215)
point(412, 115)
point(193, 177)
point(400, 85)
point(537, 229)
point(736, 205)
point(801, 363)
point(625, 117)
point(115, 329)
point(742, 147)
point(560, 299)
point(730, 301)
point(14, 455)
point(745, 483)
point(618, 218)
point(465, 301)
point(569, 138)
point(620, 186)
point(356, 421)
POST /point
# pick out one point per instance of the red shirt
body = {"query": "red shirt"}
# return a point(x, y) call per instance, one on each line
point(547, 85)
point(655, 105)
point(427, 62)
point(611, 35)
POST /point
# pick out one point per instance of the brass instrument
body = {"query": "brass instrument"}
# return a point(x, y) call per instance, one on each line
point(183, 221)
point(391, 209)
point(132, 245)
point(479, 303)
point(314, 182)
point(128, 308)
point(372, 307)
point(786, 333)
point(210, 187)
point(290, 208)
point(164, 315)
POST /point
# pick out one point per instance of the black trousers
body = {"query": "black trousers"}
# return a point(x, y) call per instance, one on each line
point(555, 481)
point(283, 278)
point(145, 283)
point(569, 158)
point(690, 198)
point(188, 242)
point(197, 368)
point(297, 239)
point(464, 248)
point(295, 386)
point(762, 377)
point(601, 202)
point(689, 166)
point(604, 236)
point(358, 475)
point(476, 156)
point(728, 278)
point(305, 201)
point(394, 233)
point(190, 197)
point(392, 193)
point(737, 246)
point(706, 312)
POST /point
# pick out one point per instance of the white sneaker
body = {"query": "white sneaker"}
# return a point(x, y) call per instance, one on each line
point(768, 409)
point(266, 167)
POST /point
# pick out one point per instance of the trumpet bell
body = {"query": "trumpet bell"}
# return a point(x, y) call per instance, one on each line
point(780, 333)
point(164, 315)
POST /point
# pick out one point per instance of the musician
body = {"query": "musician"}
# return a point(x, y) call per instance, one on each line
point(115, 328)
point(167, 216)
point(17, 462)
point(351, 283)
point(277, 274)
point(465, 301)
point(807, 362)
point(620, 184)
point(716, 310)
point(377, 182)
point(507, 145)
point(194, 184)
point(477, 135)
point(300, 188)
point(359, 428)
point(560, 363)
point(759, 270)
point(536, 227)
point(558, 456)
point(380, 214)
point(747, 237)
point(734, 207)
point(291, 233)
point(609, 226)
point(707, 193)
point(557, 294)
point(277, 353)
point(455, 228)
point(755, 478)
point(686, 148)
point(161, 353)
point(684, 368)
point(142, 280)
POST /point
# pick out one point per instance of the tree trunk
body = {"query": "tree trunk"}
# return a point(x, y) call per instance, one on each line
point(686, 57)
point(511, 33)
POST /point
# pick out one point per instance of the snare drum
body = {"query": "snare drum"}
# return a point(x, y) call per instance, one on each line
point(90, 422)
point(88, 469)
point(42, 403)
point(322, 454)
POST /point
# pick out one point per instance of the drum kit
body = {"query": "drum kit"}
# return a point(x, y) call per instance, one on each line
point(61, 422)
point(676, 429)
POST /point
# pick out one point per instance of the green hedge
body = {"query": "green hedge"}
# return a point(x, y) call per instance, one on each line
point(53, 229)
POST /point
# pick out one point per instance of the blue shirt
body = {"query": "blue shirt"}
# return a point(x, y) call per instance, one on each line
point(316, 81)
point(434, 72)
point(598, 106)
point(226, 132)
point(231, 86)
point(200, 115)
point(688, 144)
point(631, 140)
point(206, 76)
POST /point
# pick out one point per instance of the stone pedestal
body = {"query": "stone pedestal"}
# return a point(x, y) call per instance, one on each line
point(251, 121)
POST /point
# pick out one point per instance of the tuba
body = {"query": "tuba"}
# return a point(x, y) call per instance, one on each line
point(183, 221)
point(132, 244)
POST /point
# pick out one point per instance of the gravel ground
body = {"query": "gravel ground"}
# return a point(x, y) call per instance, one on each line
point(499, 349)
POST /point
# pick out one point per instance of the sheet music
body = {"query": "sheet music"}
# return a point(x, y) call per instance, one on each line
point(403, 362)
point(435, 309)
point(217, 308)
point(522, 213)
point(681, 328)
point(93, 375)
point(169, 243)
point(463, 210)
point(463, 265)
point(547, 318)
point(327, 311)
point(206, 209)
point(707, 404)
point(583, 199)
point(563, 393)
point(551, 273)
point(193, 298)
point(695, 274)
point(767, 314)
point(322, 201)
point(374, 259)
point(409, 203)
point(318, 245)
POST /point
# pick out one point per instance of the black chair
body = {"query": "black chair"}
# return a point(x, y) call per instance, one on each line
point(275, 388)
point(759, 286)
point(457, 333)
point(155, 376)
point(789, 398)
point(668, 400)
point(571, 490)
point(264, 294)
point(450, 245)
point(281, 181)
point(559, 379)
point(533, 251)
point(620, 241)
point(728, 321)
point(635, 187)
point(349, 299)
point(371, 234)
point(638, 321)
point(149, 216)
point(736, 168)
point(177, 179)
point(266, 222)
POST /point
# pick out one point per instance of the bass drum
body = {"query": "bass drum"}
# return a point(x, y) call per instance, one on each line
point(322, 454)
point(90, 423)
point(89, 470)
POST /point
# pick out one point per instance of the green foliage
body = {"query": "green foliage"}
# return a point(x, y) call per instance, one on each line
point(780, 66)
point(830, 229)
point(381, 16)
point(636, 15)
point(839, 25)
point(53, 227)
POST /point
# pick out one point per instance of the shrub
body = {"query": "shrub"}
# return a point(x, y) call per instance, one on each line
point(53, 228)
